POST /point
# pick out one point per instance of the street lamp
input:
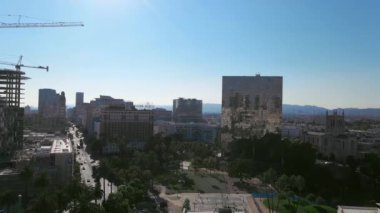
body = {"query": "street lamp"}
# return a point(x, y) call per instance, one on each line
point(19, 205)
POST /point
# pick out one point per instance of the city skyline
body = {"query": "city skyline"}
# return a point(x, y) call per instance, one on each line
point(156, 51)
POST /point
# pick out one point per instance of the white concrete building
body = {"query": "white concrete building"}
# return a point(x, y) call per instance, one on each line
point(356, 209)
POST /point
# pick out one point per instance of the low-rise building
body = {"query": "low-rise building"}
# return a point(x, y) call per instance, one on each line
point(56, 159)
point(160, 114)
point(335, 142)
point(291, 132)
point(357, 209)
point(187, 110)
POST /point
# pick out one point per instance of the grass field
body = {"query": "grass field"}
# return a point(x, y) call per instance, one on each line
point(200, 182)
point(208, 183)
point(285, 207)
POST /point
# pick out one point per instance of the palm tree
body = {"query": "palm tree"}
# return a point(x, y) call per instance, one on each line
point(42, 181)
point(8, 199)
point(97, 191)
point(62, 199)
point(44, 203)
point(74, 189)
point(269, 177)
point(27, 176)
point(103, 172)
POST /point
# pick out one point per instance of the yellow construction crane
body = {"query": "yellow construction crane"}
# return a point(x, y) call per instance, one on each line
point(19, 65)
point(20, 24)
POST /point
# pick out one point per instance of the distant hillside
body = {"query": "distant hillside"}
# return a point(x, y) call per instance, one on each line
point(370, 112)
point(315, 110)
point(289, 109)
point(302, 110)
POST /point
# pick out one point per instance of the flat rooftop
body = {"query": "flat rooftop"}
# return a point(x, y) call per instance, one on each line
point(8, 171)
point(360, 209)
point(316, 133)
point(61, 146)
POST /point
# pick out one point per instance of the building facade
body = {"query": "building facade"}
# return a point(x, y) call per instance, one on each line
point(51, 104)
point(251, 106)
point(56, 158)
point(79, 97)
point(121, 123)
point(187, 110)
point(335, 143)
point(160, 114)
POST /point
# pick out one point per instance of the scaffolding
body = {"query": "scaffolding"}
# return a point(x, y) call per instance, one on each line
point(11, 82)
point(11, 114)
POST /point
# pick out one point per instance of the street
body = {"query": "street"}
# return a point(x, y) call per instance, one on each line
point(86, 163)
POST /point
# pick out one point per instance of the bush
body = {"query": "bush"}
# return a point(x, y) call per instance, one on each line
point(311, 197)
point(320, 201)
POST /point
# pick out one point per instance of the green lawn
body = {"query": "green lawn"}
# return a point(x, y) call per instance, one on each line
point(208, 183)
point(285, 207)
point(201, 182)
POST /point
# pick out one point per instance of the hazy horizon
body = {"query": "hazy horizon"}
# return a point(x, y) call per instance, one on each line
point(71, 105)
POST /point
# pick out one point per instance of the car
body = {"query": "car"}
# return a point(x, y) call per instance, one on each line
point(83, 168)
point(88, 180)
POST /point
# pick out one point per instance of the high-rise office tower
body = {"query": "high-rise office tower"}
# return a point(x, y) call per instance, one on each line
point(79, 99)
point(51, 104)
point(251, 106)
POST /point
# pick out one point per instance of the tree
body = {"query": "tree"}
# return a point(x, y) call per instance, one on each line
point(42, 181)
point(299, 183)
point(311, 197)
point(351, 162)
point(269, 177)
point(62, 200)
point(283, 183)
point(186, 204)
point(320, 201)
point(27, 176)
point(45, 203)
point(117, 203)
point(8, 199)
point(241, 168)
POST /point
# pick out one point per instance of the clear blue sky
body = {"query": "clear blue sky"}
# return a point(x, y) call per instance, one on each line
point(155, 50)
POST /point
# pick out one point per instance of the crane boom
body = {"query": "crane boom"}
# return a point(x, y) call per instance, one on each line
point(51, 24)
point(19, 65)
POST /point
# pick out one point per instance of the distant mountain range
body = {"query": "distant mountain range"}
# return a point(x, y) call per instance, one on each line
point(289, 109)
point(315, 110)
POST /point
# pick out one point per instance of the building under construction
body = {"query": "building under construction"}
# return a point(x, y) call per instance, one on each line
point(11, 114)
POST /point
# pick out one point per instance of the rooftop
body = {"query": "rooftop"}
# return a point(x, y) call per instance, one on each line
point(61, 146)
point(8, 171)
point(360, 209)
point(316, 133)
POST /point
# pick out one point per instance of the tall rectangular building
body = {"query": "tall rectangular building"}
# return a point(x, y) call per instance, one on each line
point(251, 106)
point(51, 104)
point(187, 110)
point(79, 99)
